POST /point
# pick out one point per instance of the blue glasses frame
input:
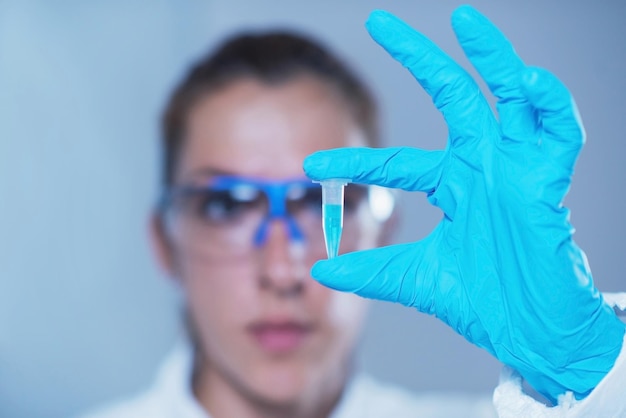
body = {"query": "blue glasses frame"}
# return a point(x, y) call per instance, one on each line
point(276, 191)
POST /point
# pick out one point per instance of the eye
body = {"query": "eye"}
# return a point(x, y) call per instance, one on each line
point(354, 195)
point(227, 205)
point(305, 198)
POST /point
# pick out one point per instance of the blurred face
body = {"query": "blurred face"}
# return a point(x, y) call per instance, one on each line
point(267, 331)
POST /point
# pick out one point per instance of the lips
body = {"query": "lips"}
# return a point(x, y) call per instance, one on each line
point(280, 337)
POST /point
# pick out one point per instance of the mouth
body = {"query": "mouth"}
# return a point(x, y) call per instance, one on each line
point(280, 337)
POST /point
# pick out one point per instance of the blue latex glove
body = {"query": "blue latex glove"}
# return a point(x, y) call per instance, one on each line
point(501, 268)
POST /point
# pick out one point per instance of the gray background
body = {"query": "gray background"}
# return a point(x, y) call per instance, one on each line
point(84, 314)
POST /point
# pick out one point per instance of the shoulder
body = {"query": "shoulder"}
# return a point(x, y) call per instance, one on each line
point(368, 397)
point(169, 396)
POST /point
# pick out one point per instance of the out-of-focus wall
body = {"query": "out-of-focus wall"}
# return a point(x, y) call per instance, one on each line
point(85, 316)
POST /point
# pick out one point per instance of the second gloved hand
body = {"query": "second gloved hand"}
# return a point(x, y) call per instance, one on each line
point(501, 268)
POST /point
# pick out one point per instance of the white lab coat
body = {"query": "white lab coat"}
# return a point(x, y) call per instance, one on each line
point(171, 397)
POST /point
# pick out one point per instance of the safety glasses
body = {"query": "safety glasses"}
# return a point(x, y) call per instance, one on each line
point(231, 216)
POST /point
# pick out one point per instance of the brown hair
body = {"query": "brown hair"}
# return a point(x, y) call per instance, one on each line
point(273, 58)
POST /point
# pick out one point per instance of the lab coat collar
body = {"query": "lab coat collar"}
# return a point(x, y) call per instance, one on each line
point(174, 383)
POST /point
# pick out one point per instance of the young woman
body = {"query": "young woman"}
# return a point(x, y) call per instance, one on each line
point(239, 226)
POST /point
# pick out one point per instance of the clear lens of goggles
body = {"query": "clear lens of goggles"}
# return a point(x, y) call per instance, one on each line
point(233, 218)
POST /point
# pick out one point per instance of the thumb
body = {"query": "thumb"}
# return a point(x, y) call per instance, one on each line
point(395, 273)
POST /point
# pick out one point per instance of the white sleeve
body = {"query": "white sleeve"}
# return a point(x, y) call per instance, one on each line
point(607, 400)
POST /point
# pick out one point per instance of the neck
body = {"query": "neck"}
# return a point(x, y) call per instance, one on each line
point(223, 397)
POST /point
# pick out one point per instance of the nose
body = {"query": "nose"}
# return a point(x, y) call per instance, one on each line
point(282, 261)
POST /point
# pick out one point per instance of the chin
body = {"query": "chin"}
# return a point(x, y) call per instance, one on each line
point(281, 384)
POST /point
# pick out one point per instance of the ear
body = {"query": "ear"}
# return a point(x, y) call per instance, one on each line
point(161, 245)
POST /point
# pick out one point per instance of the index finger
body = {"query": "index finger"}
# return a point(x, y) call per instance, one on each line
point(404, 168)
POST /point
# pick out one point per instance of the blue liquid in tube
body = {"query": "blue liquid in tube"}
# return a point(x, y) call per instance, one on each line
point(333, 225)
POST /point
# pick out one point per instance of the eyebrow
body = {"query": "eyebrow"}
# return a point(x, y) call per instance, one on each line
point(205, 172)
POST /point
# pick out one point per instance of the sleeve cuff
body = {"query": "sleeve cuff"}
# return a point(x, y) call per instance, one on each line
point(606, 400)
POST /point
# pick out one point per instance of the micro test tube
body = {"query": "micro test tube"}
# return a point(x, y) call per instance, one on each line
point(332, 213)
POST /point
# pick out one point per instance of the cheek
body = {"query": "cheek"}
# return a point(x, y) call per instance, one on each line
point(341, 313)
point(221, 298)
point(361, 232)
point(346, 312)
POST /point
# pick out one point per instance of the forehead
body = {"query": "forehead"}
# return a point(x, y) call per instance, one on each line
point(251, 128)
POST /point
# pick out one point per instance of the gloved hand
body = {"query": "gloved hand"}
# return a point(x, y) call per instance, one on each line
point(501, 268)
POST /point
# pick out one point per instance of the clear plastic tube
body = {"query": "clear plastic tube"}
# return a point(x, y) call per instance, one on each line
point(332, 213)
